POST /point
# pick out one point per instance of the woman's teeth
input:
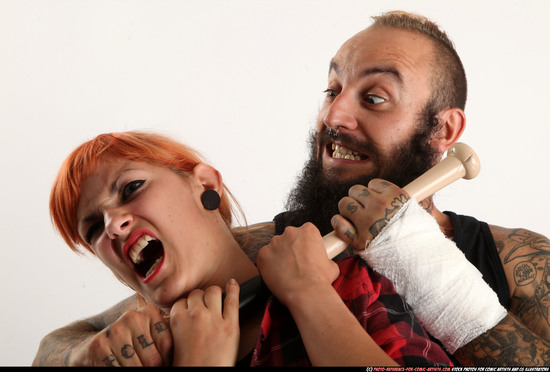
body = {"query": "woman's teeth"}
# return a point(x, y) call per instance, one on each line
point(146, 255)
point(135, 250)
point(150, 271)
point(341, 152)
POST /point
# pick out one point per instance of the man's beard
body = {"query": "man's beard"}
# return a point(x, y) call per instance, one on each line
point(317, 192)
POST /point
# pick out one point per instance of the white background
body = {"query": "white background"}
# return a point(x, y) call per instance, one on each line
point(242, 82)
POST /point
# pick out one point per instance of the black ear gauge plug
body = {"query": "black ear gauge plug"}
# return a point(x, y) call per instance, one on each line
point(210, 199)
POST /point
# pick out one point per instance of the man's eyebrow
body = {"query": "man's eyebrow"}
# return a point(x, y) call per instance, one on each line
point(333, 66)
point(392, 71)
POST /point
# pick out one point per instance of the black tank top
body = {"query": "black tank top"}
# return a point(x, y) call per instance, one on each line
point(474, 238)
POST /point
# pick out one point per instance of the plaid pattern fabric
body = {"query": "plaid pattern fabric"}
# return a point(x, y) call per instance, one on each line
point(374, 302)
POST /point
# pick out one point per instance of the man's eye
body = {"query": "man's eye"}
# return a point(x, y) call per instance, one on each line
point(130, 188)
point(330, 92)
point(373, 99)
point(94, 228)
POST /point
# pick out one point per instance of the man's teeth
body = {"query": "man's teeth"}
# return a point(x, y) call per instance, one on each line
point(341, 152)
point(136, 249)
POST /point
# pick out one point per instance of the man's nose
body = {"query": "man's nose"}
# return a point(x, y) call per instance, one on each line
point(117, 223)
point(342, 112)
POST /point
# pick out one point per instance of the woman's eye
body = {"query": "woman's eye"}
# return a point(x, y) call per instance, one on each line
point(92, 230)
point(130, 188)
point(373, 99)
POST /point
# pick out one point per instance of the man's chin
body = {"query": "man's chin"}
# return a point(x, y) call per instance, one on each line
point(344, 175)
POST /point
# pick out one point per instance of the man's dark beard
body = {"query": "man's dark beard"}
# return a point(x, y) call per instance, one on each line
point(316, 194)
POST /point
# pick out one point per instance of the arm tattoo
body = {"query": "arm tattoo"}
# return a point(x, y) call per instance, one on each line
point(509, 343)
point(525, 246)
point(527, 256)
point(255, 238)
point(534, 310)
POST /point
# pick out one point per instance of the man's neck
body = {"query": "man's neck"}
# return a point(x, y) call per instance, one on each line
point(444, 221)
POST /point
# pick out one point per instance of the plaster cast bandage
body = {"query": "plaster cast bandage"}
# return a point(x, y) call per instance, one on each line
point(446, 292)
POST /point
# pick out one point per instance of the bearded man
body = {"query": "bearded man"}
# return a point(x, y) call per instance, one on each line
point(394, 104)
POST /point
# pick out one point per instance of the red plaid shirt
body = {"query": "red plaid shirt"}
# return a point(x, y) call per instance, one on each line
point(374, 302)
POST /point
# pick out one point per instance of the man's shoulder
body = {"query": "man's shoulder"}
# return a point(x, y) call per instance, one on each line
point(253, 237)
point(510, 235)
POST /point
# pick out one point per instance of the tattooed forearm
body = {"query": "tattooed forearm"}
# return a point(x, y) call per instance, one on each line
point(509, 343)
point(55, 348)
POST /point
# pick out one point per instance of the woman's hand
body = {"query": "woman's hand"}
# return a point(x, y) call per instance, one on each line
point(366, 211)
point(205, 334)
point(296, 264)
point(138, 338)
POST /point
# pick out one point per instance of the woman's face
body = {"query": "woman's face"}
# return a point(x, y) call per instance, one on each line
point(147, 224)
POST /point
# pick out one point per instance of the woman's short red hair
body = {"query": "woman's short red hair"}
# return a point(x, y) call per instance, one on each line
point(135, 146)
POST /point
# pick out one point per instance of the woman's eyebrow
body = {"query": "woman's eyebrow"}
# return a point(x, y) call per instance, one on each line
point(114, 190)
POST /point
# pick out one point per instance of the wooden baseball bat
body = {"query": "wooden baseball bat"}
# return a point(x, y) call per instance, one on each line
point(461, 162)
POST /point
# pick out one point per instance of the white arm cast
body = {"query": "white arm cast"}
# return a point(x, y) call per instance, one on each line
point(447, 293)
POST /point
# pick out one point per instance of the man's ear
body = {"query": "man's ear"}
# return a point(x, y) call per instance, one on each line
point(209, 177)
point(451, 125)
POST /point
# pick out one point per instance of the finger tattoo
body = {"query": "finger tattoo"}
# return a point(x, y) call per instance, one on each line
point(109, 360)
point(365, 192)
point(349, 235)
point(160, 327)
point(127, 351)
point(352, 207)
point(143, 342)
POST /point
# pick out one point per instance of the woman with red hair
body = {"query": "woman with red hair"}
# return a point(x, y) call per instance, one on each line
point(161, 219)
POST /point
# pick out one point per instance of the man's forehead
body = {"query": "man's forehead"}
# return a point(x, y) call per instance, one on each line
point(384, 46)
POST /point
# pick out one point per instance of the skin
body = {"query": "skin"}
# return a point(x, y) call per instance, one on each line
point(186, 324)
point(524, 254)
point(382, 109)
point(178, 219)
point(121, 201)
point(373, 94)
point(296, 269)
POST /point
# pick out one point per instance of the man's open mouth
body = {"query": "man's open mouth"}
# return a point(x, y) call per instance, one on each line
point(342, 152)
point(146, 255)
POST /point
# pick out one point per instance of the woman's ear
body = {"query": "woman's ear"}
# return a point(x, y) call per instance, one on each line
point(209, 177)
point(451, 125)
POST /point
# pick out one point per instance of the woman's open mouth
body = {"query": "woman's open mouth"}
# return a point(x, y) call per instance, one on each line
point(146, 255)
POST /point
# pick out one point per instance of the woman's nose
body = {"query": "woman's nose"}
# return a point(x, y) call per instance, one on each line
point(342, 113)
point(117, 223)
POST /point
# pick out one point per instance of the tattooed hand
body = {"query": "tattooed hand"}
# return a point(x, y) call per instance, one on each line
point(366, 211)
point(138, 338)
